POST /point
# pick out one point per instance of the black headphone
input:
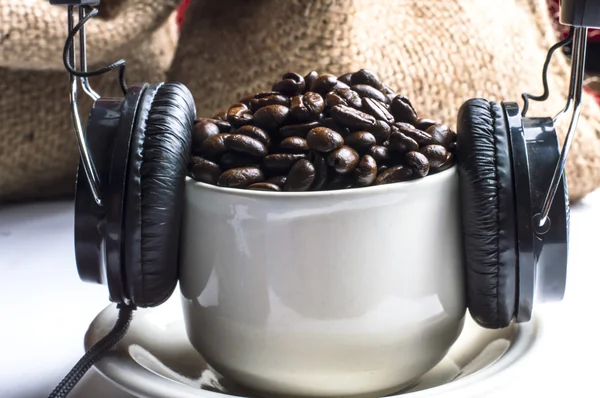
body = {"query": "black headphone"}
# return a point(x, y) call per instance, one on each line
point(515, 230)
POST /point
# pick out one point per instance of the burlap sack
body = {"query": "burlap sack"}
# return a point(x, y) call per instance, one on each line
point(438, 53)
point(38, 151)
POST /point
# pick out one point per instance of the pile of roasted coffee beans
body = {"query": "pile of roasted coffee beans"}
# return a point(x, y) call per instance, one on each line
point(319, 132)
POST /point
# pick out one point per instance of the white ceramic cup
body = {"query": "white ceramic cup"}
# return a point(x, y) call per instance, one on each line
point(354, 292)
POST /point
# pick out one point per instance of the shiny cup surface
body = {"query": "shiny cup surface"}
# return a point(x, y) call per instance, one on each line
point(338, 293)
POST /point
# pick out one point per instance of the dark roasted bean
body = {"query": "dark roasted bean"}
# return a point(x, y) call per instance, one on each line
point(239, 115)
point(221, 116)
point(341, 86)
point(294, 145)
point(343, 160)
point(381, 131)
point(323, 139)
point(214, 146)
point(223, 125)
point(366, 171)
point(452, 146)
point(200, 132)
point(418, 162)
point(301, 176)
point(395, 174)
point(351, 98)
point(377, 110)
point(307, 107)
point(246, 99)
point(352, 118)
point(401, 143)
point(233, 160)
point(381, 168)
point(333, 99)
point(264, 186)
point(422, 138)
point(324, 83)
point(436, 154)
point(340, 181)
point(279, 181)
point(386, 143)
point(309, 80)
point(449, 162)
point(380, 153)
point(280, 163)
point(240, 177)
point(366, 91)
point(423, 124)
point(255, 132)
point(320, 163)
point(387, 90)
point(360, 140)
point(291, 84)
point(205, 171)
point(244, 144)
point(272, 99)
point(271, 117)
point(441, 135)
point(297, 130)
point(365, 76)
point(331, 124)
point(346, 78)
point(403, 110)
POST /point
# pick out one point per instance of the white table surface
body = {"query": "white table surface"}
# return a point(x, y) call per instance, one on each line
point(45, 309)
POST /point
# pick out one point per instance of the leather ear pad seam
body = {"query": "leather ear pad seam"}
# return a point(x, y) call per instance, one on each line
point(161, 145)
point(488, 215)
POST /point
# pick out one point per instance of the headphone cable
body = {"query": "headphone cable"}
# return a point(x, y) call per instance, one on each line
point(96, 352)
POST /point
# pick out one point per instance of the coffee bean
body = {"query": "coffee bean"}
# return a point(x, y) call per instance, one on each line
point(297, 130)
point(223, 125)
point(436, 154)
point(424, 124)
point(386, 143)
point(239, 115)
point(279, 181)
point(377, 110)
point(401, 143)
point(341, 86)
point(340, 181)
point(255, 132)
point(221, 116)
point(271, 117)
point(441, 134)
point(246, 99)
point(309, 80)
point(203, 170)
point(418, 162)
point(214, 146)
point(270, 99)
point(323, 139)
point(264, 186)
point(240, 177)
point(366, 171)
point(387, 90)
point(350, 97)
point(343, 160)
point(366, 91)
point(294, 145)
point(201, 131)
point(403, 110)
point(380, 153)
point(367, 77)
point(233, 160)
point(395, 174)
point(360, 140)
point(324, 83)
point(449, 162)
point(380, 130)
point(352, 118)
point(307, 107)
point(381, 168)
point(301, 176)
point(280, 163)
point(291, 84)
point(333, 99)
point(452, 146)
point(390, 99)
point(331, 124)
point(346, 78)
point(421, 137)
point(244, 144)
point(320, 163)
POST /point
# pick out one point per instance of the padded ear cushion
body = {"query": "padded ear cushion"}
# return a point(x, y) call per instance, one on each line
point(159, 154)
point(488, 213)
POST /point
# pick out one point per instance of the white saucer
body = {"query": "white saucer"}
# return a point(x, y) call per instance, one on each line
point(156, 360)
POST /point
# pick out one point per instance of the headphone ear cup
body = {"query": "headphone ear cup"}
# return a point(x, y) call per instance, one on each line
point(158, 159)
point(488, 213)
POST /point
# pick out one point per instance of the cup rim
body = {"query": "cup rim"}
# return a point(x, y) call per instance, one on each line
point(341, 193)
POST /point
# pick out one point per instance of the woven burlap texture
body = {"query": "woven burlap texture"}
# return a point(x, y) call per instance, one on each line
point(438, 53)
point(38, 151)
